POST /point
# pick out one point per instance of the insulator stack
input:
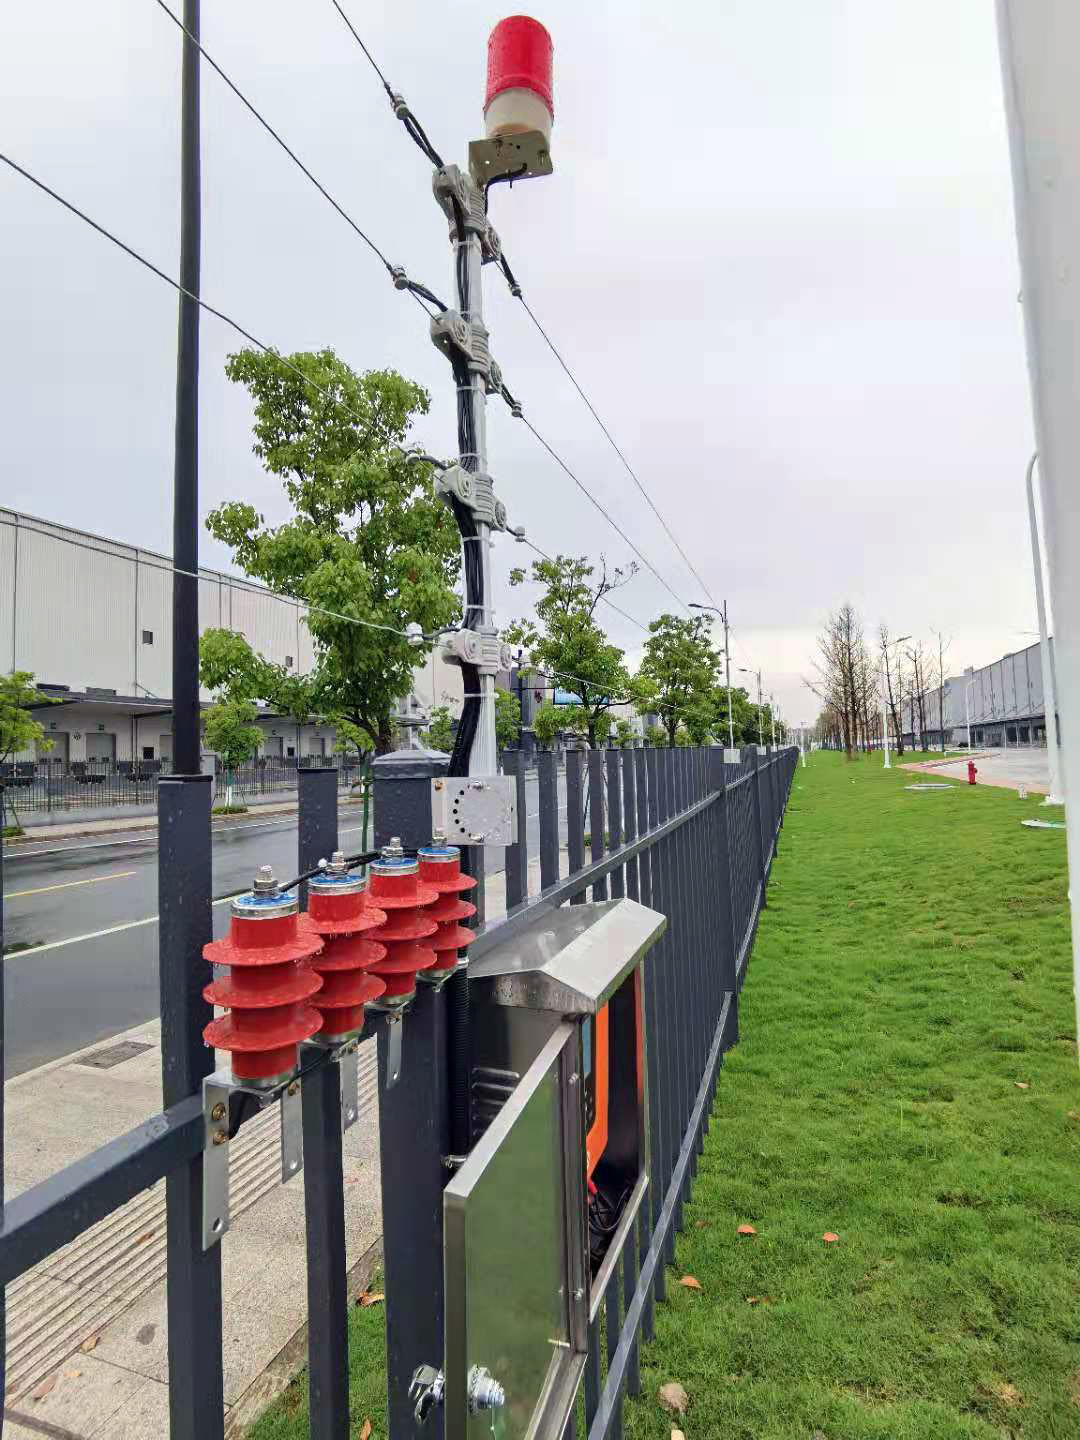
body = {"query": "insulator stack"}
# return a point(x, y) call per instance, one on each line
point(440, 867)
point(267, 987)
point(396, 888)
point(339, 915)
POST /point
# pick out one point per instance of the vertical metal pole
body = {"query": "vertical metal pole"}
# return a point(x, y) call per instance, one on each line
point(1038, 45)
point(1057, 790)
point(727, 666)
point(324, 1192)
point(185, 588)
point(3, 1060)
point(415, 1121)
point(196, 1398)
point(196, 1401)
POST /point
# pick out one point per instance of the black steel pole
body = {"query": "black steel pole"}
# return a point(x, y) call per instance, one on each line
point(185, 622)
point(196, 1402)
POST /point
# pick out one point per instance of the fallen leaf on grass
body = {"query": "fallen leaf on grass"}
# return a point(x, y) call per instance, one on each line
point(746, 1230)
point(830, 1238)
point(72, 1374)
point(677, 1435)
point(674, 1398)
point(365, 1430)
point(45, 1388)
point(691, 1282)
point(370, 1297)
point(759, 1299)
point(90, 1343)
point(704, 1224)
point(1008, 1394)
point(1021, 1084)
point(144, 1238)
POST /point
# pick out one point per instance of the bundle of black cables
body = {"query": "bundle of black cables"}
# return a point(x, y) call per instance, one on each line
point(605, 1212)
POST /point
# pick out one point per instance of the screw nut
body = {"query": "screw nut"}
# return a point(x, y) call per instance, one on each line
point(218, 1112)
point(220, 1137)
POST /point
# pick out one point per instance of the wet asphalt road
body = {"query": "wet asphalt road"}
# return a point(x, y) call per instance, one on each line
point(81, 935)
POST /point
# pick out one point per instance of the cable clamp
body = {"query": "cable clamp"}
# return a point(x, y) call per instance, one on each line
point(462, 200)
point(483, 650)
point(474, 490)
point(399, 277)
point(463, 340)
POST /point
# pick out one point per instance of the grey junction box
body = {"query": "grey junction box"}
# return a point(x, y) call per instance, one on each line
point(559, 1094)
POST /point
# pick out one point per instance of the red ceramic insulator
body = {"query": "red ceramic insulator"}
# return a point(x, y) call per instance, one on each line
point(338, 914)
point(440, 867)
point(395, 887)
point(519, 58)
point(266, 988)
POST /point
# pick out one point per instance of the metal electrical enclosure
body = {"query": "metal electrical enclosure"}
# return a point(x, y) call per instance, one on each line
point(522, 1281)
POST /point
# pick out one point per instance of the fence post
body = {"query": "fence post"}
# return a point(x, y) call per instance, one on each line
point(415, 1125)
point(763, 870)
point(196, 1398)
point(721, 839)
point(324, 1197)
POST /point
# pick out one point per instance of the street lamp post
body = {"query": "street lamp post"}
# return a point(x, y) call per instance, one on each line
point(727, 663)
point(884, 696)
point(967, 709)
point(744, 671)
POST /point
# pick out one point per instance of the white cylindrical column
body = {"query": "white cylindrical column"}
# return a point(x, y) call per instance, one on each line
point(1040, 40)
point(1053, 752)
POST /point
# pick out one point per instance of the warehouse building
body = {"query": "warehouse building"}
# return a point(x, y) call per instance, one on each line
point(91, 619)
point(1003, 701)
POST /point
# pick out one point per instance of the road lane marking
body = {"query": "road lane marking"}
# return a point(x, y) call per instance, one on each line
point(19, 853)
point(68, 885)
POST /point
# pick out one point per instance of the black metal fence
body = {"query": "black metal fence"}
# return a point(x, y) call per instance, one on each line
point(44, 785)
point(686, 834)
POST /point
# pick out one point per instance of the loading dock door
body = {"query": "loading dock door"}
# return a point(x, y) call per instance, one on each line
point(100, 745)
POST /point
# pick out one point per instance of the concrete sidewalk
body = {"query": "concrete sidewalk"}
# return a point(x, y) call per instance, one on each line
point(1008, 769)
point(87, 1334)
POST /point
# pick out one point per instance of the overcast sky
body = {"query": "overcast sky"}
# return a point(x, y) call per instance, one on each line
point(777, 250)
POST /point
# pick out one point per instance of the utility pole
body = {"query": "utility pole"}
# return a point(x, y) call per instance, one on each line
point(885, 680)
point(760, 718)
point(941, 684)
point(1057, 790)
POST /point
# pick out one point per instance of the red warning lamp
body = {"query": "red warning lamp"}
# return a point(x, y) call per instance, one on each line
point(518, 103)
point(268, 985)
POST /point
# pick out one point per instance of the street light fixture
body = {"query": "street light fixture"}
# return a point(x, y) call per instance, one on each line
point(727, 662)
point(884, 691)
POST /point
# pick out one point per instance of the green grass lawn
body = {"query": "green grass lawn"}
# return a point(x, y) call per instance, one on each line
point(911, 974)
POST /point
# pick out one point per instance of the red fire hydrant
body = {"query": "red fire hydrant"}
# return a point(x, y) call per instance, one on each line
point(972, 772)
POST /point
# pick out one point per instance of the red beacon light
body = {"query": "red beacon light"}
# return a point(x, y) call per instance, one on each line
point(440, 867)
point(339, 917)
point(267, 988)
point(518, 104)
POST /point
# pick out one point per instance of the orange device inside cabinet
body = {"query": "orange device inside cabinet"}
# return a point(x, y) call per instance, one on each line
point(595, 1044)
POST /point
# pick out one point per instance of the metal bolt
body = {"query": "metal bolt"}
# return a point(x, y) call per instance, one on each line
point(265, 884)
point(337, 863)
point(218, 1112)
point(220, 1137)
point(476, 838)
point(579, 1293)
point(293, 1088)
point(350, 1113)
point(438, 837)
point(393, 851)
point(574, 1078)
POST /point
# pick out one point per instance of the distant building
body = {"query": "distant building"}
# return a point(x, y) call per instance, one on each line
point(91, 618)
point(1004, 702)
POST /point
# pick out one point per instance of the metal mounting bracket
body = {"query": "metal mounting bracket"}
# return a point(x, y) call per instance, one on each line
point(220, 1091)
point(481, 648)
point(475, 810)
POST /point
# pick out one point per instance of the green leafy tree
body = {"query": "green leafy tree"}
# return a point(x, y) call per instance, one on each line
point(624, 733)
point(369, 540)
point(440, 733)
point(683, 738)
point(507, 718)
point(564, 640)
point(678, 671)
point(548, 723)
point(744, 715)
point(19, 729)
point(230, 731)
point(656, 736)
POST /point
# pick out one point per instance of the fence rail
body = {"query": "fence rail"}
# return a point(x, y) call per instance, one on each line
point(44, 785)
point(687, 833)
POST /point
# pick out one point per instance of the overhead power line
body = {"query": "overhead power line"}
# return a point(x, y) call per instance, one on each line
point(611, 441)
